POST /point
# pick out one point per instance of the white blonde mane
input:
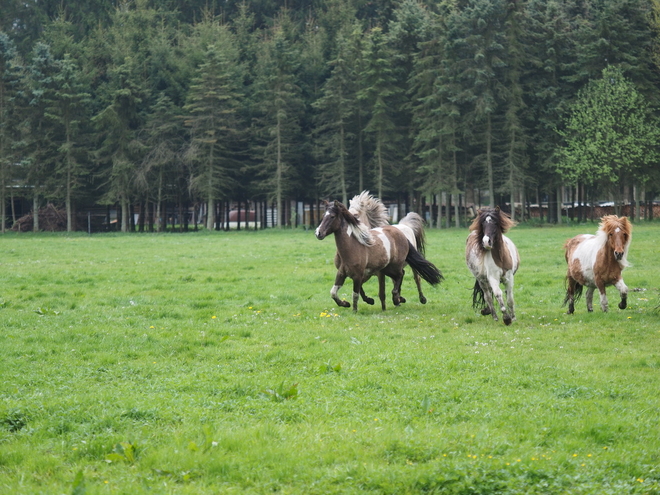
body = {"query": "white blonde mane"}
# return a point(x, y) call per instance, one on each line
point(362, 233)
point(369, 210)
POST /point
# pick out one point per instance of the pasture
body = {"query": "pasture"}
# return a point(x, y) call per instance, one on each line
point(213, 363)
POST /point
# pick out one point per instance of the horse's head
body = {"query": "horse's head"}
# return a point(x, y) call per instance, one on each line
point(331, 222)
point(490, 224)
point(619, 232)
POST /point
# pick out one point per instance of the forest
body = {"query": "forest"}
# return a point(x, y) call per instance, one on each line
point(196, 106)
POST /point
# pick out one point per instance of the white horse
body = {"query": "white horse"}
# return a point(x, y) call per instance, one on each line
point(493, 259)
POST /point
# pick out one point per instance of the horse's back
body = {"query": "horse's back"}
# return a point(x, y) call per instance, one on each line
point(581, 254)
point(513, 252)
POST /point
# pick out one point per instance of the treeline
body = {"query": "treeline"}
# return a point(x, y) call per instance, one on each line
point(145, 104)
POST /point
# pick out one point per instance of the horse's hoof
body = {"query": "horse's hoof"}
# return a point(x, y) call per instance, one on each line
point(623, 304)
point(402, 299)
point(344, 304)
point(485, 311)
point(369, 300)
point(422, 299)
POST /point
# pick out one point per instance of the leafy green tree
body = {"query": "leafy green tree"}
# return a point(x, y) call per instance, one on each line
point(611, 136)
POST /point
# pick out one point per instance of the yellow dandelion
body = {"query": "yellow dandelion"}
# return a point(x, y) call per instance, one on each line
point(574, 455)
point(213, 317)
point(640, 480)
point(152, 326)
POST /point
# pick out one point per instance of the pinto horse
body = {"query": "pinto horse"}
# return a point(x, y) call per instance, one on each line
point(493, 259)
point(372, 212)
point(596, 261)
point(364, 252)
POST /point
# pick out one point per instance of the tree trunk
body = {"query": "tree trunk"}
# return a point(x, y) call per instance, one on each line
point(489, 161)
point(35, 214)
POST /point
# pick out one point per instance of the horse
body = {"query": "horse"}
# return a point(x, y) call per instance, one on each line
point(493, 260)
point(596, 261)
point(372, 212)
point(363, 252)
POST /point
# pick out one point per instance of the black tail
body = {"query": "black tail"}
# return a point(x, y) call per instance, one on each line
point(577, 292)
point(422, 267)
point(478, 299)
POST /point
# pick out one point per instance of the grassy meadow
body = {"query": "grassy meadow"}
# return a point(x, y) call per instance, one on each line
point(208, 363)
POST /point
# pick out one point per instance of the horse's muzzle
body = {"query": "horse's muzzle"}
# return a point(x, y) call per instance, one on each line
point(319, 235)
point(487, 243)
point(618, 255)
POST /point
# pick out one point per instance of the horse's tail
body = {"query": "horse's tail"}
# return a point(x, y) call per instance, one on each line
point(423, 267)
point(577, 292)
point(416, 223)
point(478, 299)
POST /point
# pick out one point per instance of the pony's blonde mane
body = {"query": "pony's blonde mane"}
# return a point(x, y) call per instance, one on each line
point(369, 210)
point(356, 228)
point(608, 225)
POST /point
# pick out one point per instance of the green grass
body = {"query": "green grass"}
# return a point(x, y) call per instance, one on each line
point(217, 363)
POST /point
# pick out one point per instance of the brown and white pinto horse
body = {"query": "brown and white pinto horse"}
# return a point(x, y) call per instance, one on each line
point(596, 261)
point(493, 259)
point(372, 212)
point(364, 252)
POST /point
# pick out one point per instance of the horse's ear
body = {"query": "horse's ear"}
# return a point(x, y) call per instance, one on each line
point(497, 208)
point(336, 203)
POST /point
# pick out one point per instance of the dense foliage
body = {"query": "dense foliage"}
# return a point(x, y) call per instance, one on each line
point(138, 103)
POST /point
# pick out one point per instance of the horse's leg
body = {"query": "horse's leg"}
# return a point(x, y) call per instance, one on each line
point(418, 281)
point(488, 297)
point(339, 281)
point(401, 298)
point(357, 289)
point(589, 296)
point(509, 300)
point(603, 296)
point(396, 290)
point(623, 290)
point(497, 293)
point(381, 290)
point(570, 294)
point(365, 298)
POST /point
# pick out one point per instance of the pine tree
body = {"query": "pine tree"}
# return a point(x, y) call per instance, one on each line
point(212, 109)
point(10, 86)
point(379, 91)
point(336, 110)
point(279, 109)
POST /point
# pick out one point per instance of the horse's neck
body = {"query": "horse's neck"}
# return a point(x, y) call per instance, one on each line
point(501, 254)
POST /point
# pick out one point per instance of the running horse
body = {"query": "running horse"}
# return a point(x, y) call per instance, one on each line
point(372, 212)
point(493, 260)
point(596, 261)
point(363, 252)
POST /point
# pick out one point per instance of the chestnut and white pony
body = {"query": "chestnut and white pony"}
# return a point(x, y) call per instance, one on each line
point(493, 259)
point(372, 212)
point(596, 261)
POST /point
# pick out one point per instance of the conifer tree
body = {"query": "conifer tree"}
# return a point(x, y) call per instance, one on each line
point(212, 115)
point(279, 108)
point(10, 86)
point(379, 92)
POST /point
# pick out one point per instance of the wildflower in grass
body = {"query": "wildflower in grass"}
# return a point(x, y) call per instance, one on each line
point(213, 317)
point(152, 326)
point(640, 480)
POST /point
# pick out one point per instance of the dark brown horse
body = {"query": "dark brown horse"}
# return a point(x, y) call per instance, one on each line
point(364, 252)
point(373, 213)
point(596, 261)
point(493, 260)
